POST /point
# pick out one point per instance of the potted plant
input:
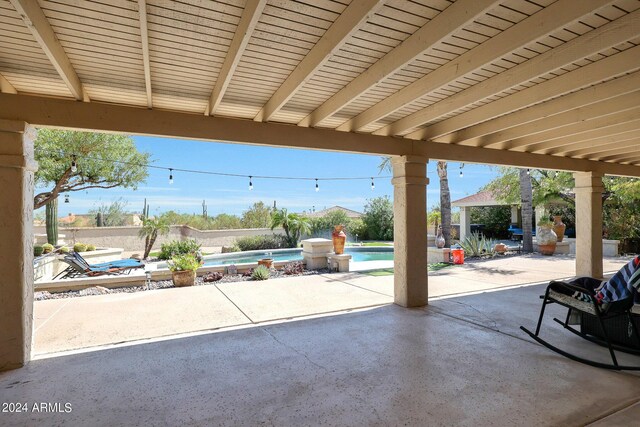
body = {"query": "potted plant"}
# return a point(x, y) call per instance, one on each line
point(546, 237)
point(183, 269)
point(267, 262)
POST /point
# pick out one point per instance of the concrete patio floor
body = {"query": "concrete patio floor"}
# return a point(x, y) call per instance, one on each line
point(460, 361)
point(75, 323)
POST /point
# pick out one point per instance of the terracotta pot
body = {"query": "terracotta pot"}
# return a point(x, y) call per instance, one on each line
point(267, 262)
point(559, 227)
point(546, 239)
point(500, 248)
point(339, 238)
point(184, 278)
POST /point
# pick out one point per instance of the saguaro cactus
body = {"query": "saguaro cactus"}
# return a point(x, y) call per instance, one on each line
point(51, 210)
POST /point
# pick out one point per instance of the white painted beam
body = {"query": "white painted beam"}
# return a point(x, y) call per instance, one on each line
point(248, 21)
point(474, 135)
point(349, 21)
point(584, 46)
point(545, 125)
point(52, 112)
point(530, 29)
point(596, 145)
point(449, 21)
point(631, 150)
point(604, 69)
point(39, 26)
point(5, 86)
point(144, 38)
point(555, 146)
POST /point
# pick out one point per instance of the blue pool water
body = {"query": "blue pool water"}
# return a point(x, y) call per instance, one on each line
point(358, 255)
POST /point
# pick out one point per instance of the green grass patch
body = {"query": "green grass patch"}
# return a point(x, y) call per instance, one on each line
point(377, 244)
point(389, 271)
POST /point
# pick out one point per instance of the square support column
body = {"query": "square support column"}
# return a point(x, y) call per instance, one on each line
point(410, 230)
point(514, 214)
point(17, 166)
point(465, 222)
point(588, 189)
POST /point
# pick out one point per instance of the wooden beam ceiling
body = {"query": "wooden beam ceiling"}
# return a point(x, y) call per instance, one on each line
point(333, 39)
point(586, 45)
point(449, 21)
point(37, 22)
point(248, 21)
point(144, 38)
point(593, 145)
point(5, 86)
point(530, 29)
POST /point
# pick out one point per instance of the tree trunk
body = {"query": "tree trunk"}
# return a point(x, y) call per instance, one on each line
point(526, 196)
point(51, 209)
point(445, 203)
point(147, 247)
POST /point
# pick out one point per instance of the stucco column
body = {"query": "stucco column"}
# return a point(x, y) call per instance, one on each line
point(410, 230)
point(514, 214)
point(588, 189)
point(465, 222)
point(17, 166)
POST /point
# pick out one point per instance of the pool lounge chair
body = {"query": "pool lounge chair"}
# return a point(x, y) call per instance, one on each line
point(79, 267)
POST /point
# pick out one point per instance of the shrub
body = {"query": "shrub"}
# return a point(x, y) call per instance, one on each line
point(496, 220)
point(260, 273)
point(38, 250)
point(178, 247)
point(91, 248)
point(295, 267)
point(378, 217)
point(79, 247)
point(64, 250)
point(255, 243)
point(185, 262)
point(47, 248)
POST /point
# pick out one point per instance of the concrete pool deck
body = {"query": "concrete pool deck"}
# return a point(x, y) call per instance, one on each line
point(75, 323)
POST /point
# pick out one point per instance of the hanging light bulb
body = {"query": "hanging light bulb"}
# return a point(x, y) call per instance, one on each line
point(66, 198)
point(317, 186)
point(74, 166)
point(557, 173)
point(250, 183)
point(528, 171)
point(373, 186)
point(170, 176)
point(461, 166)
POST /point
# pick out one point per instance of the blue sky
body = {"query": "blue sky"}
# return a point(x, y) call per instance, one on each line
point(232, 195)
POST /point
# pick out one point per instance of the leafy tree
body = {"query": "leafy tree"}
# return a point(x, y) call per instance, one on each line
point(433, 218)
point(496, 220)
point(151, 228)
point(95, 155)
point(378, 217)
point(294, 225)
point(225, 221)
point(113, 214)
point(323, 225)
point(257, 216)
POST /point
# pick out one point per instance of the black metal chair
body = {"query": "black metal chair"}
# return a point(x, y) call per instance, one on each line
point(605, 316)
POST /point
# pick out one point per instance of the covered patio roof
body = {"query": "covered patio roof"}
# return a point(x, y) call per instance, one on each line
point(549, 84)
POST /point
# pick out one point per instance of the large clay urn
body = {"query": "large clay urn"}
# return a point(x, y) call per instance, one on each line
point(440, 241)
point(339, 238)
point(547, 240)
point(559, 227)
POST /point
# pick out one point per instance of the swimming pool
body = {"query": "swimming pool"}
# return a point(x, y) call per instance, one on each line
point(359, 254)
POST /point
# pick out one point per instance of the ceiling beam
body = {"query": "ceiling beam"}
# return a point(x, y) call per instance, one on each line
point(248, 21)
point(549, 147)
point(37, 22)
point(594, 145)
point(349, 21)
point(597, 153)
point(144, 38)
point(575, 129)
point(598, 40)
point(96, 116)
point(592, 94)
point(444, 24)
point(505, 138)
point(604, 69)
point(621, 155)
point(530, 29)
point(5, 86)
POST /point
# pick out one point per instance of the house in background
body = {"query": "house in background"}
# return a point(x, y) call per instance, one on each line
point(349, 212)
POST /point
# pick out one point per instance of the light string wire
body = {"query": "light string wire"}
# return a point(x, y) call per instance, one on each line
point(203, 172)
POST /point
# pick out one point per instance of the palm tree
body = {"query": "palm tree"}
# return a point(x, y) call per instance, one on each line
point(151, 228)
point(445, 203)
point(526, 197)
point(294, 225)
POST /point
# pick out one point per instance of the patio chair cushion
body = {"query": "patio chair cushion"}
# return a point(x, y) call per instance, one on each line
point(635, 309)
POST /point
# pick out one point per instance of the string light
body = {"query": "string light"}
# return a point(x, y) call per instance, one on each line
point(317, 186)
point(74, 166)
point(66, 198)
point(528, 171)
point(373, 186)
point(170, 176)
point(557, 173)
point(461, 166)
point(250, 183)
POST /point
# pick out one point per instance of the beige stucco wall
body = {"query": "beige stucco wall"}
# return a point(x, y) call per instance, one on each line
point(127, 237)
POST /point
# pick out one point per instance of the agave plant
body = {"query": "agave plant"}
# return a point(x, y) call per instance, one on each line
point(476, 245)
